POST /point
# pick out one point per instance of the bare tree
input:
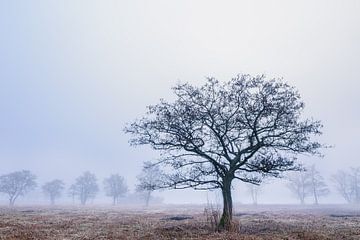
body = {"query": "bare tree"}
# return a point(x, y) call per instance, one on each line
point(53, 189)
point(317, 185)
point(218, 132)
point(17, 184)
point(347, 183)
point(149, 180)
point(85, 187)
point(115, 187)
point(299, 184)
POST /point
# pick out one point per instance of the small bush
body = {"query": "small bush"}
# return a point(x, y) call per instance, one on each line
point(212, 216)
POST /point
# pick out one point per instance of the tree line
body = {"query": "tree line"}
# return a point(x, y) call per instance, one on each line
point(303, 184)
point(310, 184)
point(84, 188)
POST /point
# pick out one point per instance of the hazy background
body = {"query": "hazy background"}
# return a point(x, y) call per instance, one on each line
point(73, 73)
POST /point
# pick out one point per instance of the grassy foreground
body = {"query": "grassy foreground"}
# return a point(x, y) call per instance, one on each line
point(177, 222)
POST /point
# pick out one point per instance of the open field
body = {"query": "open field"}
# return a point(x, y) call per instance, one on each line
point(178, 222)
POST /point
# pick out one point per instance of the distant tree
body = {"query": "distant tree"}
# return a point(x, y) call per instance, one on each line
point(72, 192)
point(85, 187)
point(53, 189)
point(214, 134)
point(115, 187)
point(317, 185)
point(343, 184)
point(254, 191)
point(17, 184)
point(347, 183)
point(299, 184)
point(355, 184)
point(149, 180)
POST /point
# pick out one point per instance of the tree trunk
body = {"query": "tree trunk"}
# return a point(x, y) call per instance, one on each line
point(314, 187)
point(315, 198)
point(11, 202)
point(148, 195)
point(226, 218)
point(302, 196)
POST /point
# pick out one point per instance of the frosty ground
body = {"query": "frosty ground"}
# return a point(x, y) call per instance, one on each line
point(179, 222)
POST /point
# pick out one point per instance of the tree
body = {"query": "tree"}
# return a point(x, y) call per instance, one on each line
point(115, 187)
point(72, 192)
point(299, 185)
point(347, 183)
point(317, 185)
point(216, 133)
point(17, 184)
point(149, 180)
point(53, 189)
point(308, 183)
point(85, 187)
point(254, 190)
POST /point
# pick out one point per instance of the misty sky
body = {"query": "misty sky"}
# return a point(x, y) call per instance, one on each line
point(73, 73)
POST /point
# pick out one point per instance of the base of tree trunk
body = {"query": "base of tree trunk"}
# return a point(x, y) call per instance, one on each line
point(228, 225)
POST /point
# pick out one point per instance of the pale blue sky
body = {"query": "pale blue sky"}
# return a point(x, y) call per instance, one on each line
point(72, 73)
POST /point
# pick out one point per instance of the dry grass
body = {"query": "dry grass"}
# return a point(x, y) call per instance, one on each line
point(118, 223)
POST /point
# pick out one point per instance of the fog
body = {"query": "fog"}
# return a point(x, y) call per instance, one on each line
point(73, 73)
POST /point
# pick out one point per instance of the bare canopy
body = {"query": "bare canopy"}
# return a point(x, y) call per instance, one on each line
point(53, 189)
point(17, 184)
point(347, 183)
point(218, 132)
point(149, 180)
point(115, 187)
point(85, 187)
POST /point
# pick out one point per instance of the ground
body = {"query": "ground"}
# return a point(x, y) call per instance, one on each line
point(179, 222)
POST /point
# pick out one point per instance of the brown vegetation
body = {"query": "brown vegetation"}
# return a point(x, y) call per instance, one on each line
point(184, 223)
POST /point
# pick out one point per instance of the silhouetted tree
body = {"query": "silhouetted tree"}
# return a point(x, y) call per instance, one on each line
point(213, 134)
point(149, 180)
point(17, 184)
point(347, 183)
point(85, 187)
point(317, 185)
point(53, 189)
point(115, 187)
